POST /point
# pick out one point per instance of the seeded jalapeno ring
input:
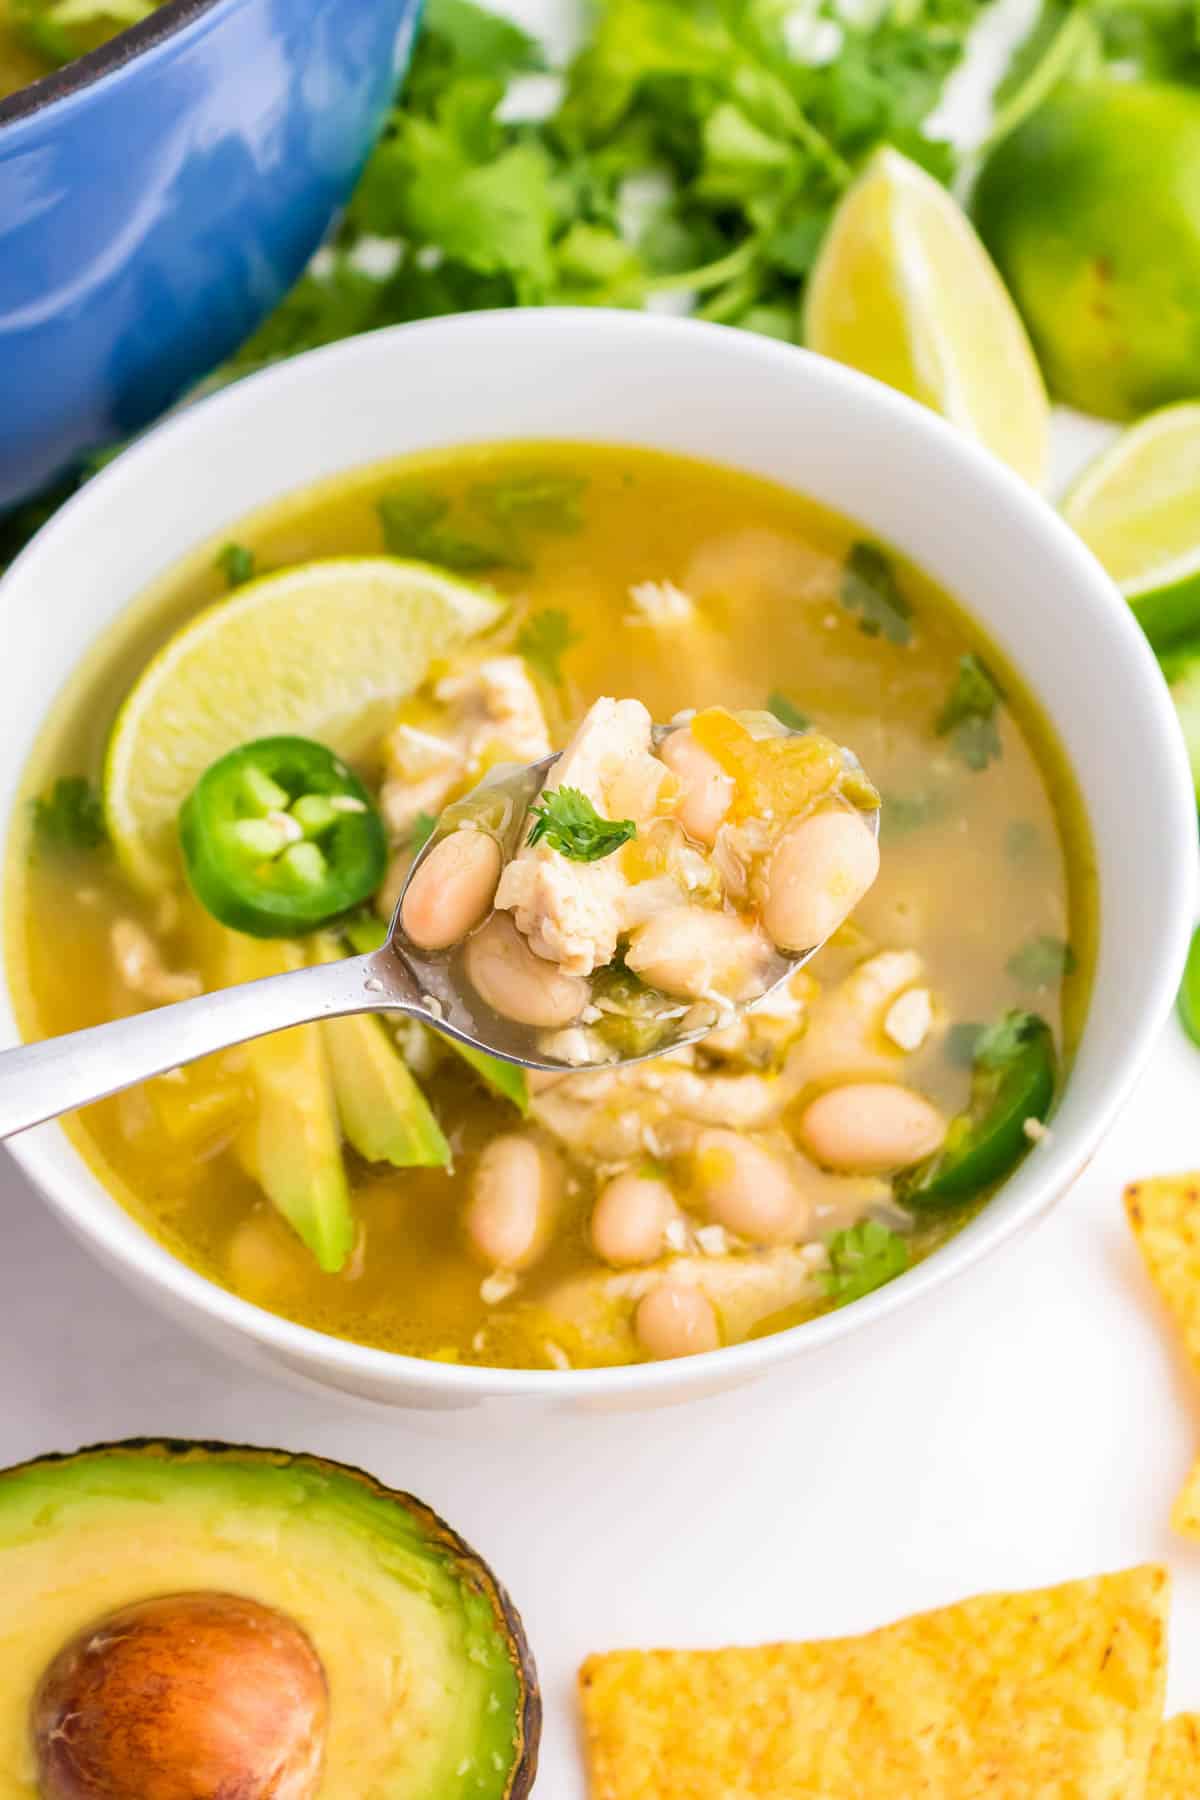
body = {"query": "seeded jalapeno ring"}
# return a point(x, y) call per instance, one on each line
point(279, 837)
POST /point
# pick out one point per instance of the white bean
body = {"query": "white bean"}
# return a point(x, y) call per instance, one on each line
point(690, 951)
point(674, 1320)
point(630, 1218)
point(819, 871)
point(705, 790)
point(506, 974)
point(510, 1212)
point(870, 1128)
point(452, 891)
point(746, 1189)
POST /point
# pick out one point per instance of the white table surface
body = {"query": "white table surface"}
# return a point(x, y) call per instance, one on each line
point(1029, 1426)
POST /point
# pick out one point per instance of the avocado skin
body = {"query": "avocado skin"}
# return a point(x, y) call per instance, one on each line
point(474, 1569)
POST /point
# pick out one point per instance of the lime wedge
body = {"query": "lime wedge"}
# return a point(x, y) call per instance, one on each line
point(904, 291)
point(1137, 507)
point(323, 650)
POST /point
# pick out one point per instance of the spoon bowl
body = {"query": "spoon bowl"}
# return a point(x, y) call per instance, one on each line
point(41, 1081)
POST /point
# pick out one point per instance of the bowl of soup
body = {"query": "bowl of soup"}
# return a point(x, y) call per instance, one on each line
point(430, 552)
point(162, 183)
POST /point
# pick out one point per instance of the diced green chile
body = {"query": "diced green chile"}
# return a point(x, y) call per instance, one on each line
point(1013, 1079)
point(279, 837)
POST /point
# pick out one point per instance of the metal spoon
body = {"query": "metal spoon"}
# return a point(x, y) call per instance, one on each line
point(40, 1081)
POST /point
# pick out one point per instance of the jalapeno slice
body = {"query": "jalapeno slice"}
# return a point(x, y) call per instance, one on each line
point(1013, 1079)
point(279, 837)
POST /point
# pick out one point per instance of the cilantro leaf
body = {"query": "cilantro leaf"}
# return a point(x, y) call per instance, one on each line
point(570, 824)
point(862, 1259)
point(870, 589)
point(786, 713)
point(902, 814)
point(535, 500)
point(414, 524)
point(71, 816)
point(423, 828)
point(544, 639)
point(236, 563)
point(1042, 960)
point(968, 717)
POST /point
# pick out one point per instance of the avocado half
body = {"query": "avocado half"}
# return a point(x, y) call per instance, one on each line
point(432, 1691)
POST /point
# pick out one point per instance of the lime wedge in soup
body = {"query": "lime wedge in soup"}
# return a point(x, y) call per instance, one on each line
point(324, 650)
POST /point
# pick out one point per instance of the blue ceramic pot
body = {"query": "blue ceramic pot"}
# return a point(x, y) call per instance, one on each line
point(158, 196)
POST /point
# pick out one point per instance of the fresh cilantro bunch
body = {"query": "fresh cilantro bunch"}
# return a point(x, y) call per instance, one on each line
point(699, 147)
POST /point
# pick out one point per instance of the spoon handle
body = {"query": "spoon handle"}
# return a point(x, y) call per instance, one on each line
point(39, 1081)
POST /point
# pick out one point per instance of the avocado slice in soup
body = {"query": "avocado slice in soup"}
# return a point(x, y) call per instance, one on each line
point(214, 1619)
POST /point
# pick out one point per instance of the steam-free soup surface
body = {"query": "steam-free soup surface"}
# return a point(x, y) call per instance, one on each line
point(686, 586)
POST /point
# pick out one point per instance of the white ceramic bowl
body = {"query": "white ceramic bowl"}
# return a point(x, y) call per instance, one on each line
point(710, 392)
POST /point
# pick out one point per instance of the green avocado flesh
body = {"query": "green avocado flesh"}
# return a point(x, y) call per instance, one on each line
point(432, 1694)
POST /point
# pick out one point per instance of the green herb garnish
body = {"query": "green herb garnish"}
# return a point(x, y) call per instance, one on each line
point(786, 713)
point(968, 717)
point(1042, 960)
point(870, 589)
point(236, 563)
point(533, 500)
point(544, 640)
point(862, 1259)
point(568, 822)
point(71, 816)
point(902, 814)
point(1022, 842)
point(415, 524)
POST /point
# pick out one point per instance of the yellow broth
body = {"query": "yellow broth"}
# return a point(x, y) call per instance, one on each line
point(977, 863)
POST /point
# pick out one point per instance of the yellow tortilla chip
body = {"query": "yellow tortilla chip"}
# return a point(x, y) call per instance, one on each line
point(1051, 1695)
point(1175, 1764)
point(1165, 1215)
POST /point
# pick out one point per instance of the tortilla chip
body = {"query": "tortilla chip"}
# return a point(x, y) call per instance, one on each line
point(1175, 1764)
point(1051, 1695)
point(1165, 1216)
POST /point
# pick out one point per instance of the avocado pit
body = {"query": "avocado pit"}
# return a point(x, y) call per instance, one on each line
point(182, 1698)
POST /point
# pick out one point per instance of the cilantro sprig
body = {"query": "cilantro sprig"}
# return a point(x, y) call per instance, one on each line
point(544, 640)
point(70, 816)
point(862, 1259)
point(567, 821)
point(870, 590)
point(968, 717)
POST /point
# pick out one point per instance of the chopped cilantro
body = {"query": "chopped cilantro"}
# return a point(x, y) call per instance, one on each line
point(870, 589)
point(423, 827)
point(533, 500)
point(71, 816)
point(786, 713)
point(968, 718)
point(544, 640)
point(414, 524)
point(570, 824)
point(862, 1259)
point(1041, 961)
point(902, 814)
point(236, 563)
point(1022, 842)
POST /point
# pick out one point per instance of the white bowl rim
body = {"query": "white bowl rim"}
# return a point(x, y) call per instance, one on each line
point(930, 436)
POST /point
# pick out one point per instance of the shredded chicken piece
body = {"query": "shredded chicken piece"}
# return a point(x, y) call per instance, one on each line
point(143, 970)
point(909, 1019)
point(659, 603)
point(572, 912)
point(493, 715)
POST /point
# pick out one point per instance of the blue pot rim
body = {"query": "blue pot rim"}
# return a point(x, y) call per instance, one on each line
point(117, 53)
